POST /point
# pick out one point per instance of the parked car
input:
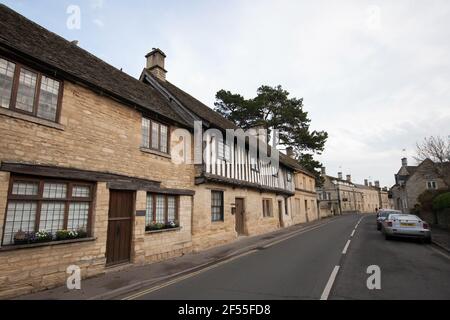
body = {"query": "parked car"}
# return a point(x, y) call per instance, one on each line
point(383, 214)
point(406, 225)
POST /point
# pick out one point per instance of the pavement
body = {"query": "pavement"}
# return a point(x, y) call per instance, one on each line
point(327, 259)
point(441, 238)
point(113, 284)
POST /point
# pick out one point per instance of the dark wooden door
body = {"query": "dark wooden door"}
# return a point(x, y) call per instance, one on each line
point(120, 219)
point(239, 216)
point(280, 213)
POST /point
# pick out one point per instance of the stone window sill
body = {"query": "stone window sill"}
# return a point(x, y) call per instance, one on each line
point(158, 153)
point(43, 122)
point(163, 230)
point(44, 244)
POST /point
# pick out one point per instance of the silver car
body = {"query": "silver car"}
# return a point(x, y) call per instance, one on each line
point(382, 215)
point(406, 225)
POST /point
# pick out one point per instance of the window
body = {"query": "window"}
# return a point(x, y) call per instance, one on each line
point(289, 176)
point(217, 206)
point(6, 82)
point(46, 205)
point(267, 207)
point(223, 150)
point(431, 185)
point(29, 92)
point(161, 208)
point(155, 135)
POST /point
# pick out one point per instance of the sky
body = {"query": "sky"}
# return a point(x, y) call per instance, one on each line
point(374, 74)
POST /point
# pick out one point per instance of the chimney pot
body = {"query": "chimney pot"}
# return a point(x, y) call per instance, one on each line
point(404, 162)
point(323, 170)
point(155, 63)
point(366, 182)
point(340, 175)
point(370, 184)
point(377, 184)
point(349, 178)
point(290, 152)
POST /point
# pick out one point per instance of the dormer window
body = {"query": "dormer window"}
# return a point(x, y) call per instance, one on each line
point(26, 91)
point(155, 135)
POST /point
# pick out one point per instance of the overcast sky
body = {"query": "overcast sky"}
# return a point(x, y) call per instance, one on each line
point(374, 74)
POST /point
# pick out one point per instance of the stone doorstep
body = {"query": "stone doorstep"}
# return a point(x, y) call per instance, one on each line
point(117, 293)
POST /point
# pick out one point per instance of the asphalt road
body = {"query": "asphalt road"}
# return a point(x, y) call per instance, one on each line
point(301, 268)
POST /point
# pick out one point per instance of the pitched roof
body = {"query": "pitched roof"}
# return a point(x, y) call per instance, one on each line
point(26, 38)
point(196, 106)
point(214, 118)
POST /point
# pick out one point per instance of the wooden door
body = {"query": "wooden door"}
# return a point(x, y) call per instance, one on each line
point(120, 219)
point(239, 215)
point(280, 213)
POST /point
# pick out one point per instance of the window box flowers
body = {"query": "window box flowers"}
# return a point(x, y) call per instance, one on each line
point(70, 234)
point(154, 226)
point(24, 237)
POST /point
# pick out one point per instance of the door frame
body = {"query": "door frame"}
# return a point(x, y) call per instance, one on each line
point(132, 222)
point(243, 216)
point(280, 213)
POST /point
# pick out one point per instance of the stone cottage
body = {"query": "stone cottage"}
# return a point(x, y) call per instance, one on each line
point(98, 169)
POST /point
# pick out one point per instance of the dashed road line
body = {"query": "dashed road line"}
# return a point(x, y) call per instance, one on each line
point(353, 233)
point(327, 290)
point(346, 247)
point(176, 280)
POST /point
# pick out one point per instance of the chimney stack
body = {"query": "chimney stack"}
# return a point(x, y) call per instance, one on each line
point(340, 175)
point(155, 63)
point(377, 184)
point(323, 170)
point(366, 182)
point(404, 162)
point(370, 184)
point(290, 152)
point(349, 178)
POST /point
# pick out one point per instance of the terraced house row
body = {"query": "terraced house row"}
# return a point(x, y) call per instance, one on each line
point(96, 166)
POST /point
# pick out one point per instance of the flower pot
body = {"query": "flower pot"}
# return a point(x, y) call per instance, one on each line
point(19, 242)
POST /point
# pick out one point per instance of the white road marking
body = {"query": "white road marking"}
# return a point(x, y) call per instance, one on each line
point(353, 233)
point(346, 247)
point(150, 290)
point(326, 291)
point(155, 288)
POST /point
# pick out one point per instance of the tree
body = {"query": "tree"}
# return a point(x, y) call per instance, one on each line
point(272, 108)
point(437, 149)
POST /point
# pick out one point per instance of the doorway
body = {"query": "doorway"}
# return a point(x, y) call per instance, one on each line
point(239, 216)
point(120, 219)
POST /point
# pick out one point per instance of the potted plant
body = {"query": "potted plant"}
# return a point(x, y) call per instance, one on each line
point(155, 226)
point(43, 236)
point(66, 235)
point(82, 233)
point(171, 225)
point(21, 237)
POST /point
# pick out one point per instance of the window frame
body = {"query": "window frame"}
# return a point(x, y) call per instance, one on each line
point(166, 207)
point(37, 91)
point(432, 185)
point(270, 208)
point(150, 135)
point(222, 206)
point(39, 199)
